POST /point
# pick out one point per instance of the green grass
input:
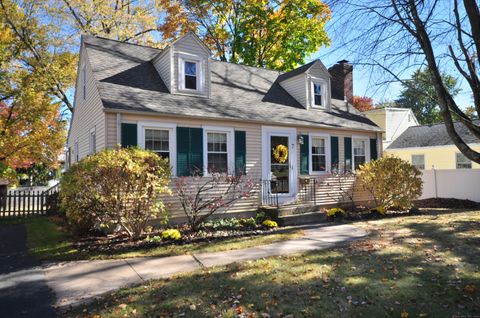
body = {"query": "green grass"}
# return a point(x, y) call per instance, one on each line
point(49, 241)
point(416, 266)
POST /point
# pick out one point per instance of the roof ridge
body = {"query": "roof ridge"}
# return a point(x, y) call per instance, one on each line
point(121, 42)
point(251, 66)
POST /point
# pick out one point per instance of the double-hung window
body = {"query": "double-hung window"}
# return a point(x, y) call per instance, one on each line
point(319, 153)
point(462, 162)
point(418, 161)
point(158, 141)
point(191, 76)
point(218, 149)
point(317, 95)
point(359, 152)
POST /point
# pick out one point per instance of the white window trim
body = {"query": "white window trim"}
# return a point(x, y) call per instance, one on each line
point(172, 139)
point(230, 147)
point(367, 149)
point(418, 154)
point(456, 162)
point(91, 149)
point(324, 85)
point(182, 58)
point(328, 158)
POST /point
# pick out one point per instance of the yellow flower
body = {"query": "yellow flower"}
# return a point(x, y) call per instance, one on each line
point(270, 223)
point(171, 234)
point(335, 211)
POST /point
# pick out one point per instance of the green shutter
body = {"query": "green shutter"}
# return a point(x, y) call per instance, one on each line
point(189, 151)
point(240, 152)
point(373, 149)
point(129, 135)
point(334, 152)
point(196, 151)
point(304, 155)
point(183, 151)
point(348, 153)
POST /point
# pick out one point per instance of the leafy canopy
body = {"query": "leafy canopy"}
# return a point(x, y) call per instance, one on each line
point(419, 94)
point(362, 103)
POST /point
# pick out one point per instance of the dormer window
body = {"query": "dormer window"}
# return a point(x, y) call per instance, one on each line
point(190, 75)
point(317, 95)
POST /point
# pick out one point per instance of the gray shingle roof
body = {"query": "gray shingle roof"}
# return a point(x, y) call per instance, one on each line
point(127, 80)
point(431, 135)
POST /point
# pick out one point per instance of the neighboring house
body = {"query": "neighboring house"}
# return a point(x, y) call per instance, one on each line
point(207, 115)
point(394, 121)
point(430, 146)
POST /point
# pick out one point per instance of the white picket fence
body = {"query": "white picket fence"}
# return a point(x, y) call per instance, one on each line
point(452, 183)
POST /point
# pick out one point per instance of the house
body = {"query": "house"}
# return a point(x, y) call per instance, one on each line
point(205, 115)
point(430, 147)
point(393, 120)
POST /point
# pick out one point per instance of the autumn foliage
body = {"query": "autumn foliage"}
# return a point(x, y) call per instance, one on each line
point(362, 103)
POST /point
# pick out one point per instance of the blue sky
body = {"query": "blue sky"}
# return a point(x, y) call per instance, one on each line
point(365, 80)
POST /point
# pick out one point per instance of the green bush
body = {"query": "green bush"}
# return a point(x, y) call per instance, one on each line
point(248, 223)
point(118, 186)
point(171, 234)
point(335, 212)
point(222, 224)
point(392, 182)
point(270, 224)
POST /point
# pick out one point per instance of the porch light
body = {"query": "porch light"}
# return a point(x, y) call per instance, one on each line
point(300, 139)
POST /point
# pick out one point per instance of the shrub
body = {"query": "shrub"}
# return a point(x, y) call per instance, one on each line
point(222, 224)
point(248, 223)
point(118, 186)
point(391, 181)
point(335, 212)
point(171, 234)
point(270, 224)
point(260, 217)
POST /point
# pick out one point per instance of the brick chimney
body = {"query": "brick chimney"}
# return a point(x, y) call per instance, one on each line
point(342, 80)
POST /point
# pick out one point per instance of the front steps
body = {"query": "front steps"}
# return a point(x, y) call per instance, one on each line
point(296, 214)
point(301, 219)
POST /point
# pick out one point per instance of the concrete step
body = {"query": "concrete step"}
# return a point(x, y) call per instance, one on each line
point(300, 219)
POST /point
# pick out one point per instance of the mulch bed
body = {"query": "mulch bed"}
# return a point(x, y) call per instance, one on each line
point(447, 203)
point(118, 243)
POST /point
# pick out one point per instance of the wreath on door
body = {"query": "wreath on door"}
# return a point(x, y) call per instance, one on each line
point(280, 153)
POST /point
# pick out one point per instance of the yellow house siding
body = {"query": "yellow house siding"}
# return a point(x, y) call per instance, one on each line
point(441, 157)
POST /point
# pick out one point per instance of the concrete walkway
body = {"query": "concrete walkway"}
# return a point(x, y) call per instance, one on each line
point(77, 282)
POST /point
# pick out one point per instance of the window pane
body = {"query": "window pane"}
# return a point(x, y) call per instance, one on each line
point(217, 142)
point(157, 140)
point(318, 163)
point(418, 161)
point(359, 160)
point(318, 146)
point(317, 89)
point(463, 162)
point(318, 100)
point(217, 162)
point(190, 68)
point(359, 147)
point(190, 82)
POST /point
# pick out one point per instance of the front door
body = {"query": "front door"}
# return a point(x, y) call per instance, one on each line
point(279, 153)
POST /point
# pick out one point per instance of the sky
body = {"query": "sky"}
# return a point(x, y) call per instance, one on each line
point(365, 80)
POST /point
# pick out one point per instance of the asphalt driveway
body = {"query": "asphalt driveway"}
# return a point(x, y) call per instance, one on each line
point(23, 289)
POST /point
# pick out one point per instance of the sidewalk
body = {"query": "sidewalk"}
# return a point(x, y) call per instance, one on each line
point(77, 282)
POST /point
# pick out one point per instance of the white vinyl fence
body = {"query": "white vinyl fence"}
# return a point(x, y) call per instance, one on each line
point(452, 183)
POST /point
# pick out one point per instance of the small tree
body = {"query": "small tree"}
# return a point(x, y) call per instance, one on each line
point(201, 197)
point(391, 181)
point(362, 103)
point(119, 186)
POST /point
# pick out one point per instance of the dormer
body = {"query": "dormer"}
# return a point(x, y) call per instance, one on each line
point(184, 66)
point(309, 85)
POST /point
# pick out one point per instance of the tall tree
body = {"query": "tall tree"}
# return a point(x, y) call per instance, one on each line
point(444, 36)
point(419, 94)
point(274, 34)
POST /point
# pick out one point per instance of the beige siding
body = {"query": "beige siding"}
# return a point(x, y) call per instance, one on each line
point(190, 45)
point(162, 64)
point(88, 113)
point(253, 131)
point(296, 87)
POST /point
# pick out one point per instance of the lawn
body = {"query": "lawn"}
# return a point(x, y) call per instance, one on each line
point(49, 241)
point(415, 266)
